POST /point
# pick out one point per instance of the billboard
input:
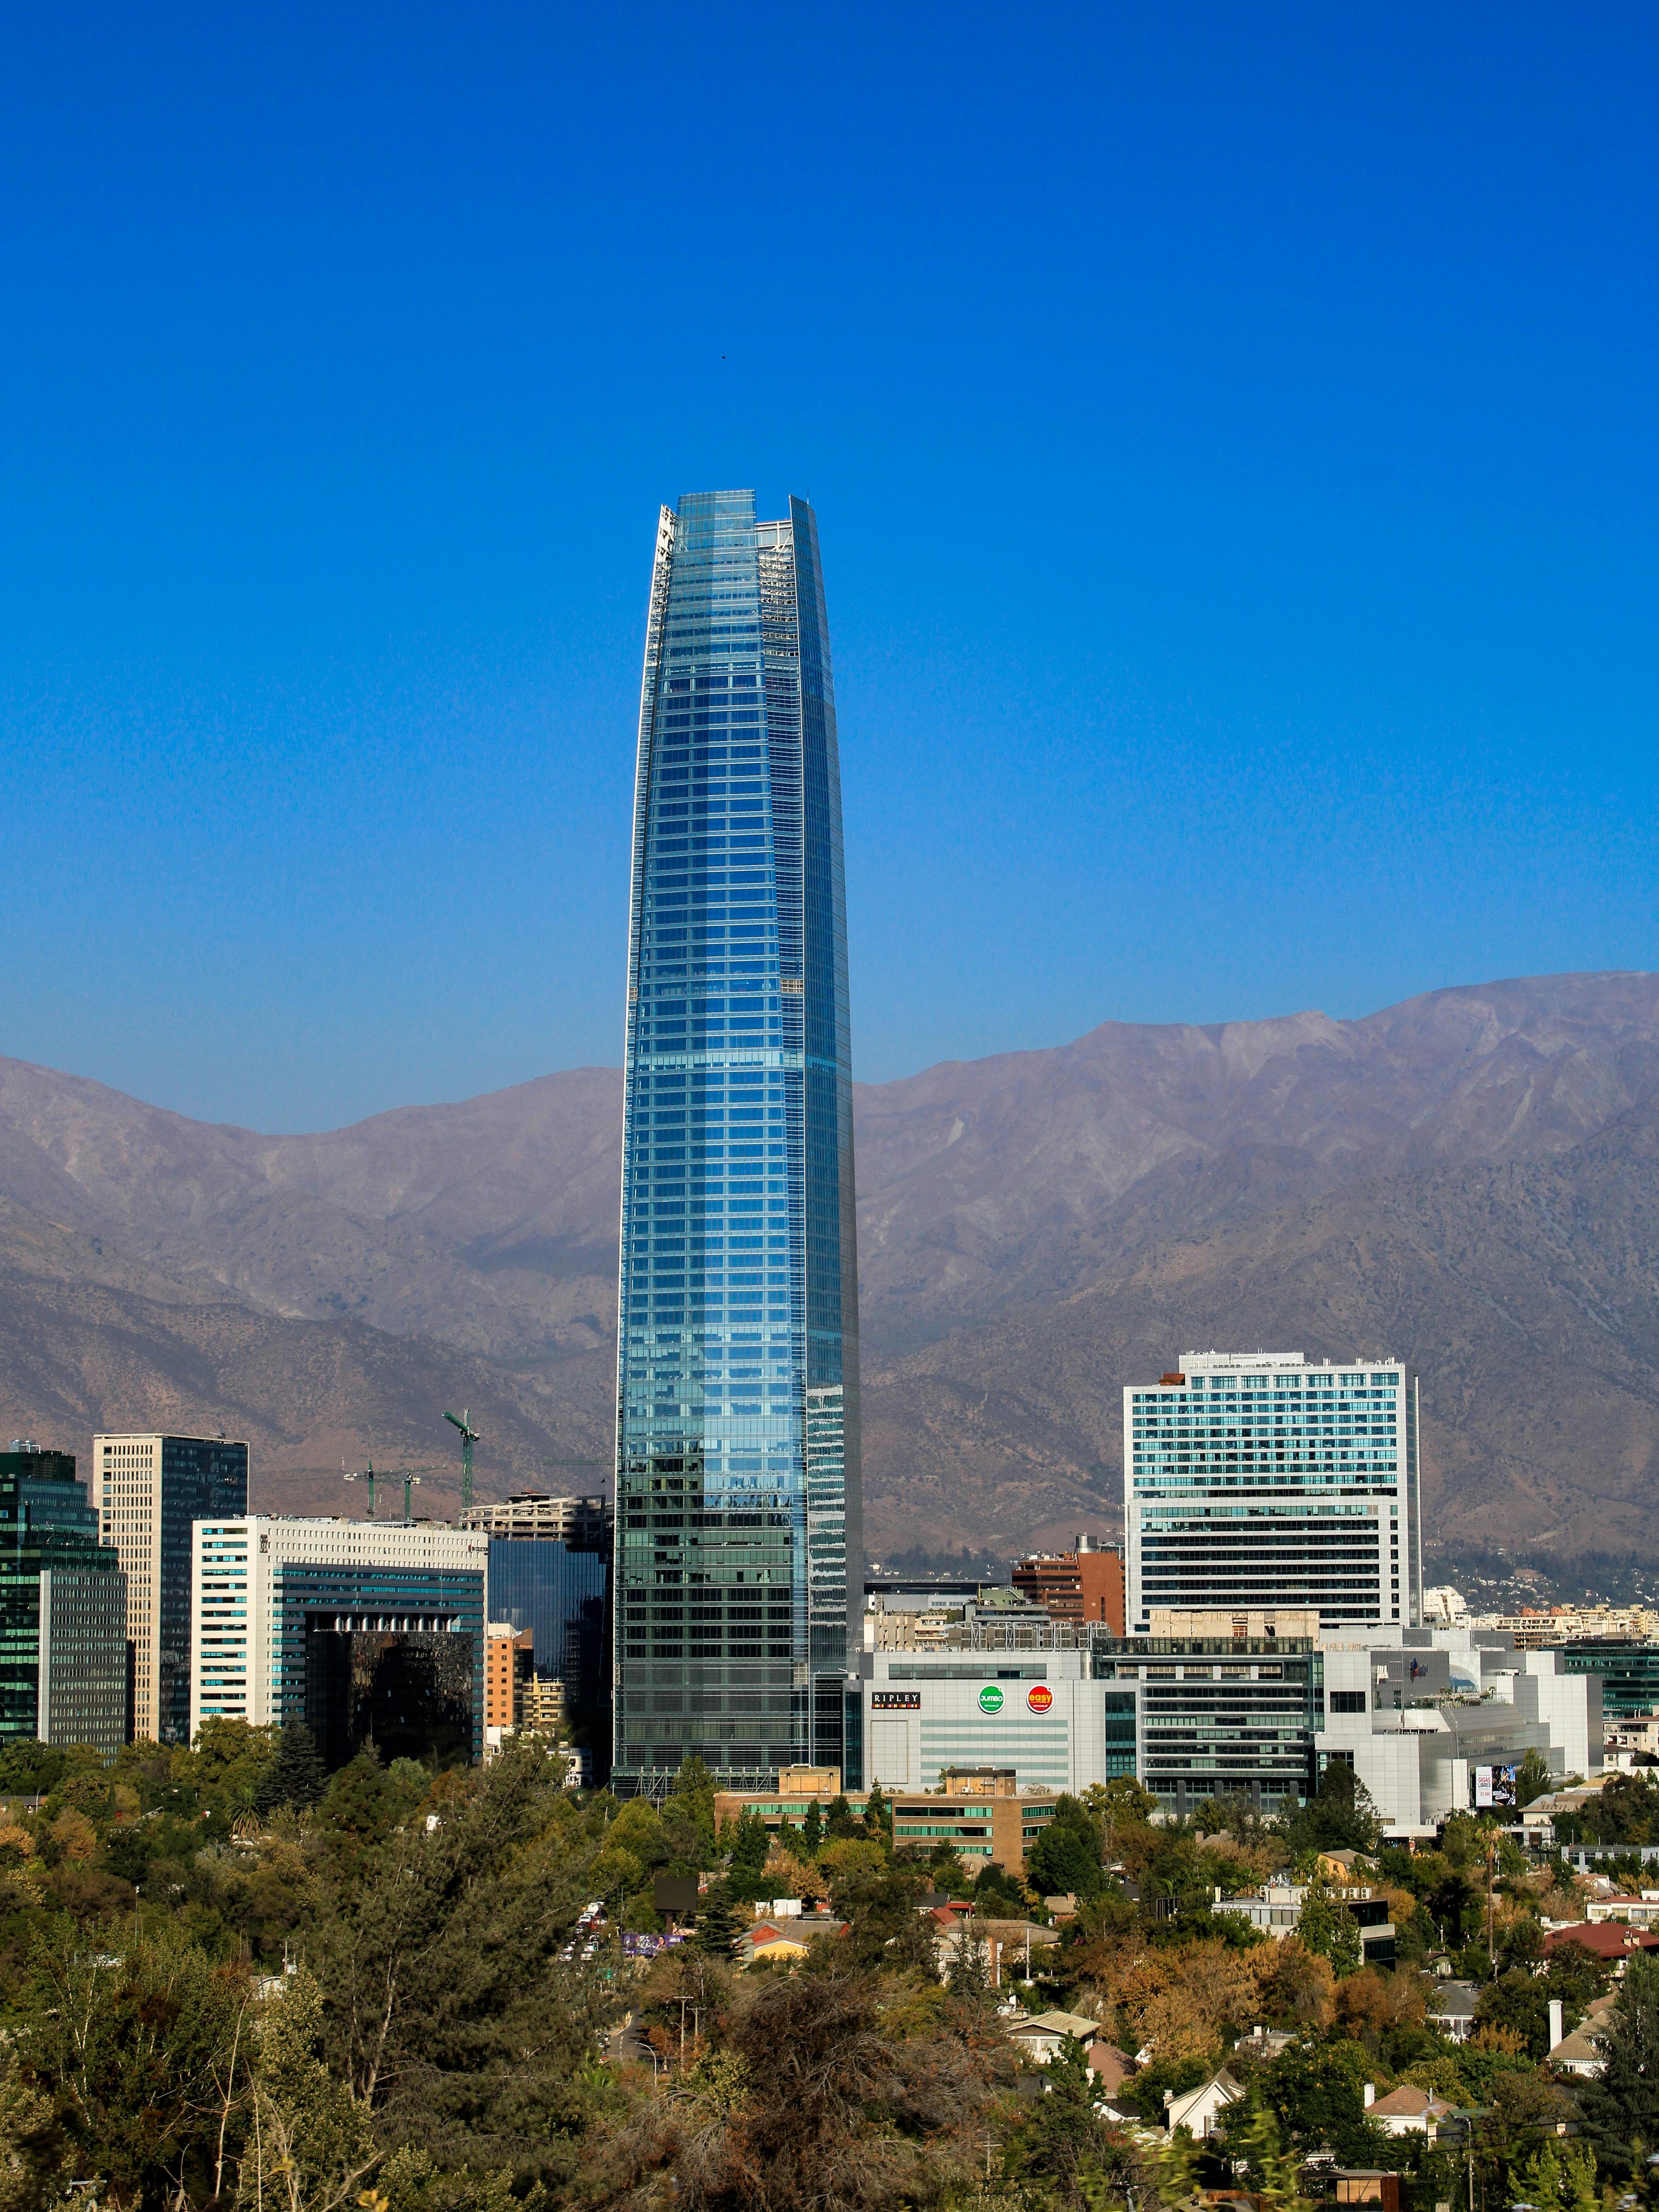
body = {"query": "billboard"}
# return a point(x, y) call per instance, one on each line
point(1494, 1789)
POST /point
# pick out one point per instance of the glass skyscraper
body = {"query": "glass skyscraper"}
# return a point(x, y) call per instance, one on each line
point(739, 1554)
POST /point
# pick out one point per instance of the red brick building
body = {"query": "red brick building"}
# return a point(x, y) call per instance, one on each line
point(1077, 1586)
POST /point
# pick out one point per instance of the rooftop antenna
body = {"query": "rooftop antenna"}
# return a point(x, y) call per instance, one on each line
point(462, 1421)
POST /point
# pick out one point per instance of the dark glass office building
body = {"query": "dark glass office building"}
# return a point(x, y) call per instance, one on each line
point(63, 1609)
point(1629, 1672)
point(560, 1595)
point(739, 1549)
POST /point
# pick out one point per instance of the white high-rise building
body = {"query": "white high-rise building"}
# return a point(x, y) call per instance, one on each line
point(294, 1620)
point(1256, 1480)
point(149, 1489)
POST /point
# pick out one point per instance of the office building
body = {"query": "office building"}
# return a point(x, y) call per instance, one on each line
point(1532, 1628)
point(62, 1608)
point(1255, 1479)
point(558, 1596)
point(151, 1489)
point(916, 1620)
point(1628, 1672)
point(981, 1812)
point(1217, 1704)
point(1078, 1586)
point(1035, 1710)
point(582, 1524)
point(1437, 1720)
point(1206, 1706)
point(739, 1544)
point(363, 1630)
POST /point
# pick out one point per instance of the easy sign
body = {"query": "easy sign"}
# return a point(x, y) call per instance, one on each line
point(1039, 1696)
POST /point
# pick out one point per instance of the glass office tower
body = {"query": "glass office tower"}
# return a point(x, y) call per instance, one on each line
point(739, 1555)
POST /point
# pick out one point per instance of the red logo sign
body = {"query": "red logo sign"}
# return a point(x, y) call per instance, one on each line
point(1039, 1696)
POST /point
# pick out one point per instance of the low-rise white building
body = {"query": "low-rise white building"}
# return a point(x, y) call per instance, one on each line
point(1432, 1720)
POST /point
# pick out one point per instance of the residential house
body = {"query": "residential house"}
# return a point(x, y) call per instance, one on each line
point(1612, 1939)
point(1641, 1911)
point(1277, 1908)
point(1451, 2008)
point(1406, 2110)
point(1198, 2110)
point(1584, 2051)
point(1111, 2067)
point(1040, 2035)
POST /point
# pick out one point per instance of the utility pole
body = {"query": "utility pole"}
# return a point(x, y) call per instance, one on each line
point(462, 1421)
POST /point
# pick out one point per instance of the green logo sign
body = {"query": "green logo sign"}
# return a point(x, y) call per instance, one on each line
point(990, 1698)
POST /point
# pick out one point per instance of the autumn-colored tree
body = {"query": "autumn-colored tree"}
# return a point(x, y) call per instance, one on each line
point(1297, 1987)
point(1183, 2000)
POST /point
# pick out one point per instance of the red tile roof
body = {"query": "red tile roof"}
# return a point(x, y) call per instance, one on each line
point(1608, 1939)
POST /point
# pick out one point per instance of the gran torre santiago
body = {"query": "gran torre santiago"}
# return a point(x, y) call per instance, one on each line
point(739, 1552)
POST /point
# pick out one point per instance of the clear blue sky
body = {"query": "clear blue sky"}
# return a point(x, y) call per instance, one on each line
point(1232, 432)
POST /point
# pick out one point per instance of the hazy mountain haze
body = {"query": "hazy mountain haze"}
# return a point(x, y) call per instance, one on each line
point(1466, 1180)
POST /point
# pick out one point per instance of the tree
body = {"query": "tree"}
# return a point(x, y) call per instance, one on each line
point(1275, 2175)
point(29, 1768)
point(1621, 2107)
point(811, 1832)
point(1062, 2141)
point(717, 1929)
point(878, 1813)
point(842, 1821)
point(1340, 1816)
point(146, 2051)
point(295, 1776)
point(1328, 1929)
point(359, 1806)
point(435, 1962)
point(1315, 2091)
point(1532, 1778)
point(968, 1973)
point(1065, 1859)
point(312, 2144)
point(807, 2096)
point(1518, 2002)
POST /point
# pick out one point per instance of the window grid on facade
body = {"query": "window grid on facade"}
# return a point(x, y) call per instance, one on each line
point(737, 1542)
point(1258, 1481)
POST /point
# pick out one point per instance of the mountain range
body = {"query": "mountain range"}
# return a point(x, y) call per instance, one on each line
point(1466, 1181)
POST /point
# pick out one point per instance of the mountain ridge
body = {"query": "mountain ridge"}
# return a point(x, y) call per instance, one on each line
point(1014, 1211)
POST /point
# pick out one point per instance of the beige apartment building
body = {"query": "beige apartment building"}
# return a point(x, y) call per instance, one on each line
point(150, 1490)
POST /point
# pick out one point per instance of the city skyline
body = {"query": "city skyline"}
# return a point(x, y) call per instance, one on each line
point(739, 1545)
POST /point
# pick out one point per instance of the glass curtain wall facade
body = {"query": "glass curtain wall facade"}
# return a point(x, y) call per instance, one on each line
point(1255, 1480)
point(739, 1548)
point(63, 1609)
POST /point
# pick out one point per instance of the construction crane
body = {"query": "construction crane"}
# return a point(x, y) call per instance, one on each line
point(412, 1480)
point(462, 1421)
point(361, 1475)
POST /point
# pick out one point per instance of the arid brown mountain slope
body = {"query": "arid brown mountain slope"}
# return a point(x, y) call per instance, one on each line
point(1465, 1179)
